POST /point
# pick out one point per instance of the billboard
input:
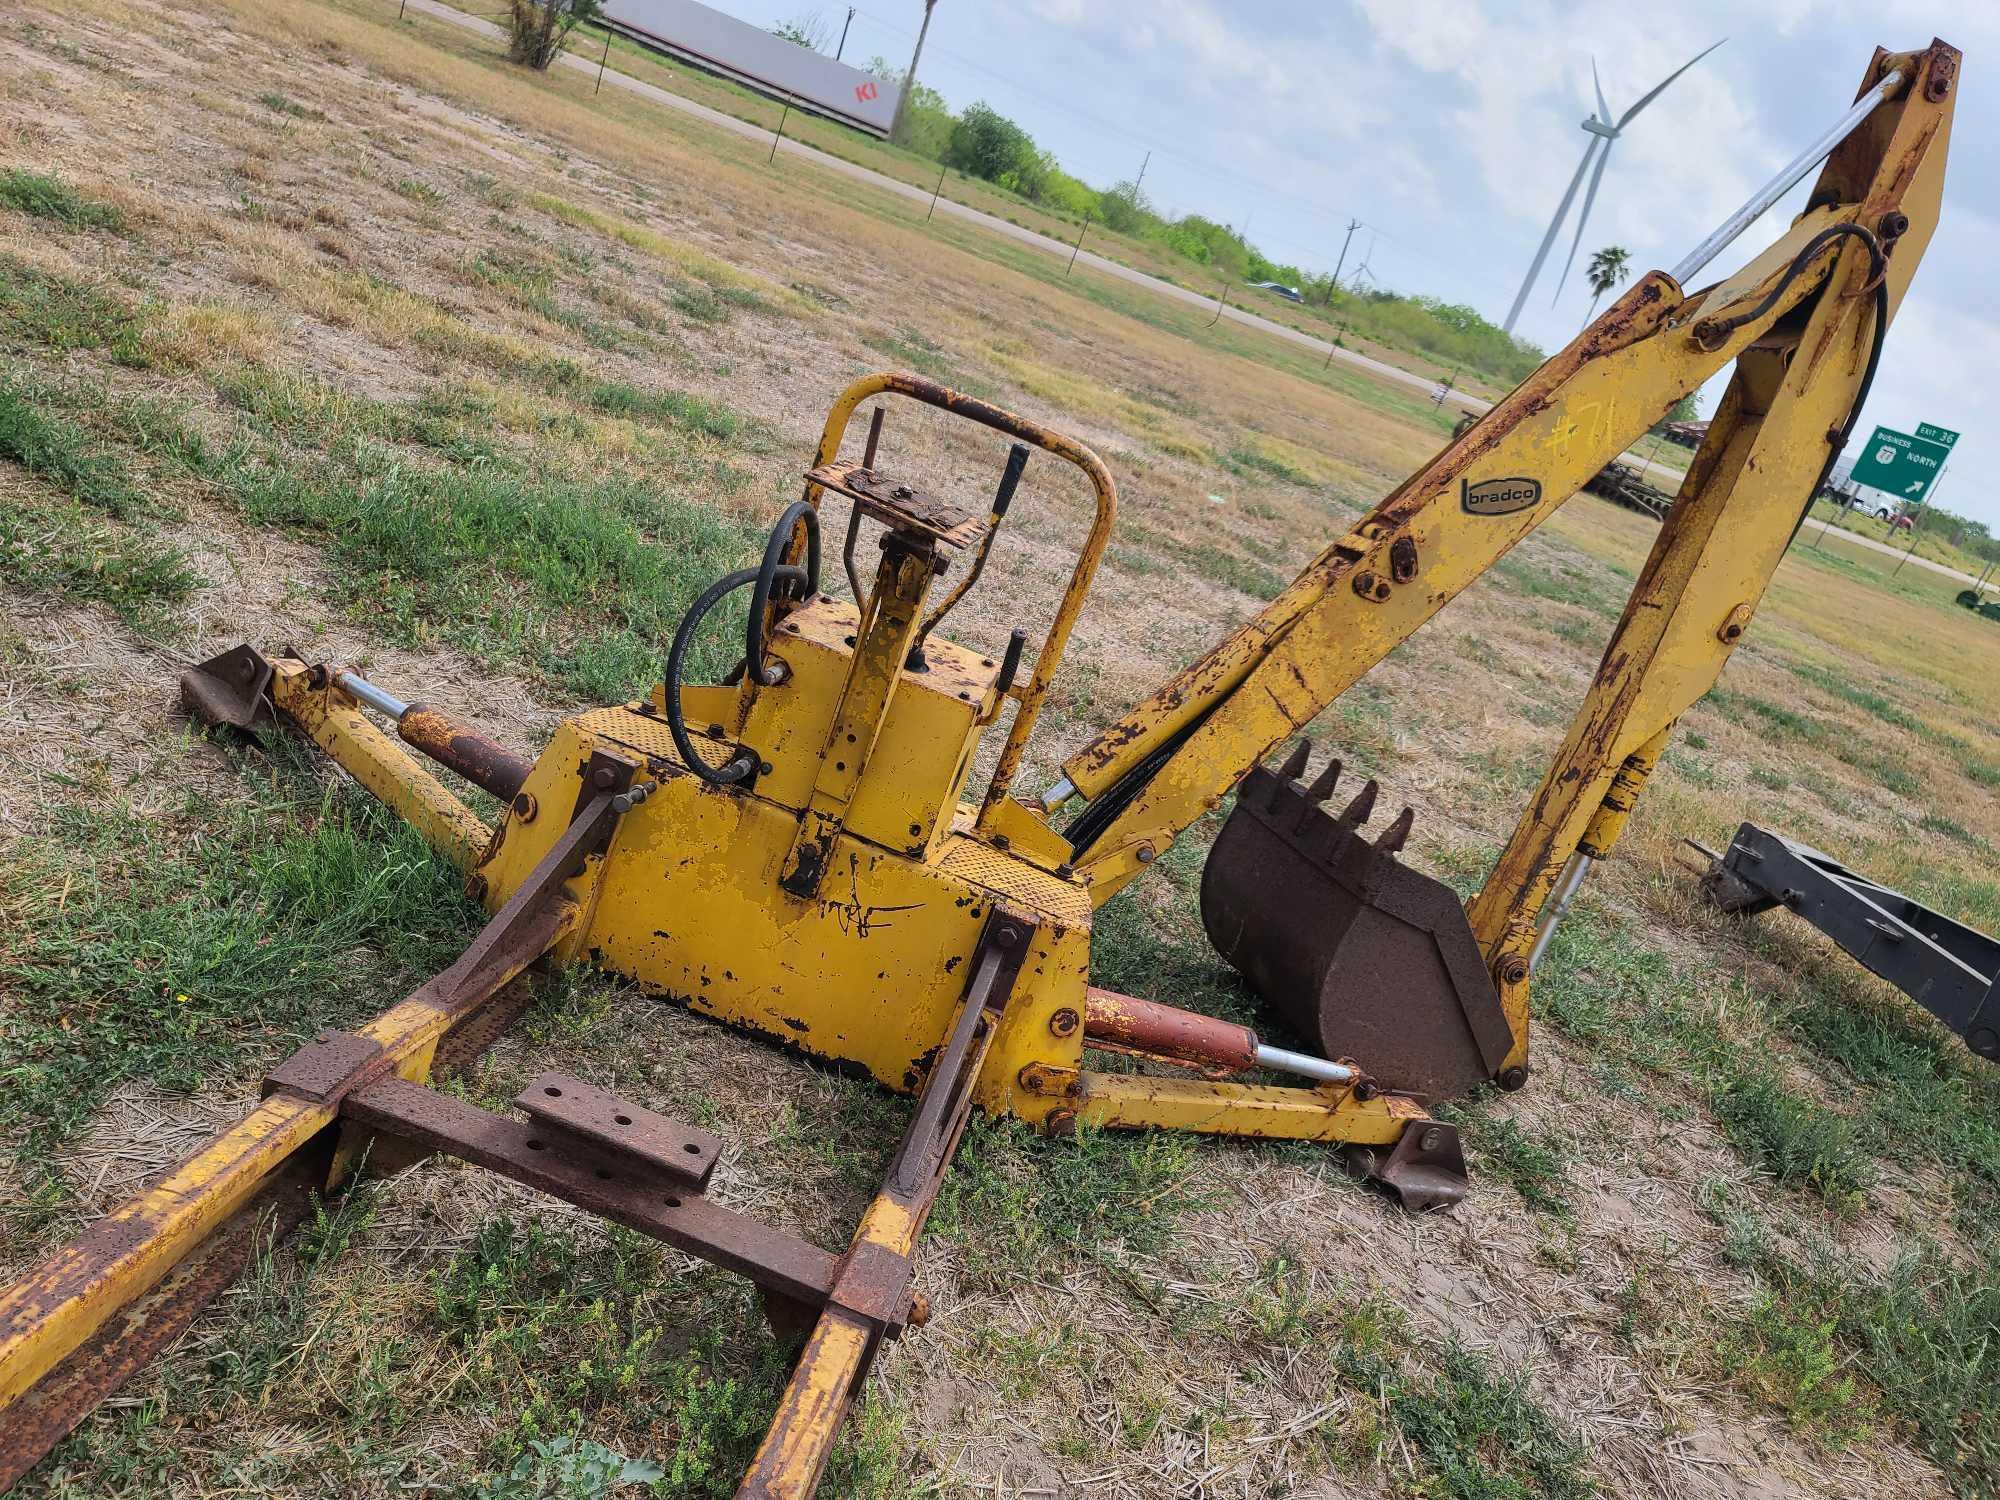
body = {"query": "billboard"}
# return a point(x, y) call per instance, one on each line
point(765, 62)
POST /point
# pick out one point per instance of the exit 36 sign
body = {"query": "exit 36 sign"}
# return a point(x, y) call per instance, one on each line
point(1903, 464)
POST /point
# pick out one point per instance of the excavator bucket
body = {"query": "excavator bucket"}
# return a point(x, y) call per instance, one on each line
point(1362, 956)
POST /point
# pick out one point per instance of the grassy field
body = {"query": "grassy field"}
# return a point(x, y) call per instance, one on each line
point(1864, 523)
point(329, 331)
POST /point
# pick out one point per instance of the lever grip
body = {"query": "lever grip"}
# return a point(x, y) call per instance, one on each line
point(1010, 478)
point(1011, 662)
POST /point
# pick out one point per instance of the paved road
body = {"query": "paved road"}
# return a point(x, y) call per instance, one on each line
point(1424, 383)
point(1820, 528)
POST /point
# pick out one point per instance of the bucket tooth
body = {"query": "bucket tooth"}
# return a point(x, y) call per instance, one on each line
point(1357, 953)
point(1295, 763)
point(1357, 812)
point(1323, 785)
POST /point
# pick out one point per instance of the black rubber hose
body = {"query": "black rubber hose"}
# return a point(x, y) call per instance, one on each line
point(1854, 411)
point(804, 583)
point(743, 762)
point(1877, 265)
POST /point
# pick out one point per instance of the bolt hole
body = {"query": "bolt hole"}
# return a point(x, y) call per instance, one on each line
point(673, 1203)
point(623, 1119)
point(840, 765)
point(553, 1092)
point(692, 1149)
point(534, 1145)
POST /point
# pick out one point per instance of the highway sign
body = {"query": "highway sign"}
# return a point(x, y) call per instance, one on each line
point(1944, 437)
point(1901, 465)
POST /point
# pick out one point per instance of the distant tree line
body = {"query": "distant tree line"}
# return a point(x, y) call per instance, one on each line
point(981, 142)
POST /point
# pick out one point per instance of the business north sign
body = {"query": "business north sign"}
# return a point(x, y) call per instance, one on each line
point(770, 64)
point(1904, 464)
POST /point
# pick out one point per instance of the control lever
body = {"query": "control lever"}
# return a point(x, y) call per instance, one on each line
point(1010, 480)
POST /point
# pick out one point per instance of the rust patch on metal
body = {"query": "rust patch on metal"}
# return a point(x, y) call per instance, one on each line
point(597, 1118)
point(1156, 1030)
point(327, 1067)
point(233, 689)
point(491, 767)
point(1360, 953)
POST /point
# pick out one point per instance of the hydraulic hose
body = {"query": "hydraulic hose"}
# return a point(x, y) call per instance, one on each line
point(804, 582)
point(763, 580)
point(742, 763)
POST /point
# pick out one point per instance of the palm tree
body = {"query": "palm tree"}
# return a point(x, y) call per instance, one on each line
point(1607, 268)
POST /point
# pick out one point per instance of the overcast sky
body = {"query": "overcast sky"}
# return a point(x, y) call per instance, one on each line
point(1451, 127)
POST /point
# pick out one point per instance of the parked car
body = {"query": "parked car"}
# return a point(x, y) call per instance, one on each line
point(1289, 293)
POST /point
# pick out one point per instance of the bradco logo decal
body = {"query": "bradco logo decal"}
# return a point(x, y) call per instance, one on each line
point(1499, 497)
point(865, 91)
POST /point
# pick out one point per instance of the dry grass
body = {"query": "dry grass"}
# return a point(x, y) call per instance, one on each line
point(588, 295)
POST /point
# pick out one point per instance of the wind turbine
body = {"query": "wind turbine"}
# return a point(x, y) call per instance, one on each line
point(1603, 132)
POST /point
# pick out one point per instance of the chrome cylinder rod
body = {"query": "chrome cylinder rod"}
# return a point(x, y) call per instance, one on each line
point(1558, 903)
point(1787, 178)
point(382, 702)
point(1303, 1064)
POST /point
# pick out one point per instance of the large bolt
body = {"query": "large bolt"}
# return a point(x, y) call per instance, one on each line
point(525, 806)
point(1063, 1022)
point(1060, 1122)
point(1892, 225)
point(1514, 970)
point(603, 778)
point(1431, 1139)
point(1513, 1078)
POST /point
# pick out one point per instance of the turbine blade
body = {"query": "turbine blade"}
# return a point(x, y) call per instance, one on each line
point(1549, 238)
point(1660, 87)
point(1589, 197)
point(1603, 109)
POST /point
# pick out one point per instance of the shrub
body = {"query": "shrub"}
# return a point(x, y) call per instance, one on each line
point(538, 30)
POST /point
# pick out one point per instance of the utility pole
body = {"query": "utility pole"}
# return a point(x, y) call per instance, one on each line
point(837, 51)
point(1140, 180)
point(910, 78)
point(1334, 285)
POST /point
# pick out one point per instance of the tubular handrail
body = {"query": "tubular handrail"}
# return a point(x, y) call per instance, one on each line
point(1023, 429)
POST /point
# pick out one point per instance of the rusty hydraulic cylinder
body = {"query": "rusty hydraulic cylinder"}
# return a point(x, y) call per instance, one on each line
point(1131, 1024)
point(491, 767)
point(1164, 1031)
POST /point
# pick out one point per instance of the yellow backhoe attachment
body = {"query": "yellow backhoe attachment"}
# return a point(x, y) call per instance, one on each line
point(799, 851)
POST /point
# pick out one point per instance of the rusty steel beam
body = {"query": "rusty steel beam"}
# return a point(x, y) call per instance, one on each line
point(625, 1187)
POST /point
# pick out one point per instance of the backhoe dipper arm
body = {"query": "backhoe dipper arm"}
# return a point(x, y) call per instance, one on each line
point(1799, 321)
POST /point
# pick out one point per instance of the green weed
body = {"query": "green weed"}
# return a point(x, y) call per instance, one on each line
point(1797, 1141)
point(55, 200)
point(65, 550)
point(55, 313)
point(675, 407)
point(1479, 1434)
point(1017, 1200)
point(1533, 1162)
point(175, 952)
point(57, 450)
